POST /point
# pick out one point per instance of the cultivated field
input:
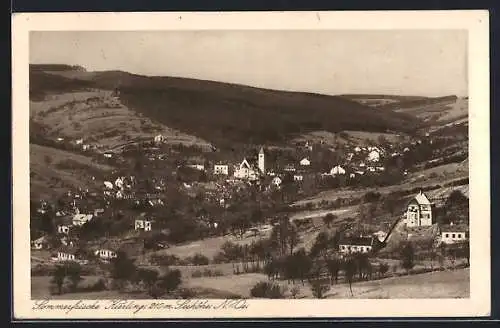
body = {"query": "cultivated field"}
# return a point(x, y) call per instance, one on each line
point(99, 116)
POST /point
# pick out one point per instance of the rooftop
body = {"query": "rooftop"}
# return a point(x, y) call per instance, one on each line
point(454, 228)
point(357, 241)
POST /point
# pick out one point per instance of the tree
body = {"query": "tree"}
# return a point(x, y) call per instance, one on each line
point(407, 257)
point(295, 291)
point(318, 288)
point(148, 277)
point(266, 289)
point(350, 271)
point(58, 276)
point(171, 280)
point(333, 266)
point(328, 219)
point(123, 270)
point(73, 272)
point(383, 268)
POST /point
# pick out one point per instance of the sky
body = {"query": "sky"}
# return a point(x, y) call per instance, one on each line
point(404, 62)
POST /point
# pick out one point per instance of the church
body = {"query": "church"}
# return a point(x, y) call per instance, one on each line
point(247, 170)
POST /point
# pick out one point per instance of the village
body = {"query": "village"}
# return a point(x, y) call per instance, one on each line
point(165, 196)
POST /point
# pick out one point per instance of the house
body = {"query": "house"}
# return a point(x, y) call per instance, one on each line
point(246, 171)
point(105, 254)
point(62, 228)
point(298, 177)
point(289, 168)
point(277, 181)
point(141, 224)
point(40, 243)
point(159, 138)
point(221, 169)
point(64, 254)
point(452, 233)
point(85, 147)
point(199, 167)
point(357, 149)
point(119, 182)
point(79, 141)
point(380, 235)
point(356, 245)
point(81, 219)
point(352, 175)
point(108, 155)
point(308, 146)
point(337, 170)
point(305, 162)
point(108, 184)
point(419, 211)
point(373, 156)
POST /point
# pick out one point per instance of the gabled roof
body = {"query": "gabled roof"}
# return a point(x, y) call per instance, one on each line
point(422, 199)
point(454, 228)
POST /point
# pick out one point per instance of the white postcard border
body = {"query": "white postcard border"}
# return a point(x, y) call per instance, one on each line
point(476, 22)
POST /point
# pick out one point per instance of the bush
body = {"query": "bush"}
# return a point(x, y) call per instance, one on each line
point(265, 289)
point(197, 274)
point(198, 259)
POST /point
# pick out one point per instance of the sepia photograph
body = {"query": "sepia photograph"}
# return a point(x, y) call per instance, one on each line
point(182, 165)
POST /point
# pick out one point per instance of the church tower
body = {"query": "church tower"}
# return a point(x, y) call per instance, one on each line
point(262, 161)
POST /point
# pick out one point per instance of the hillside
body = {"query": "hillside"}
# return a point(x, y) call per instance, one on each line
point(221, 112)
point(97, 117)
point(53, 172)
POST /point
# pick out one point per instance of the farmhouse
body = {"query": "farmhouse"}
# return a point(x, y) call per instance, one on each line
point(419, 211)
point(452, 233)
point(356, 245)
point(222, 169)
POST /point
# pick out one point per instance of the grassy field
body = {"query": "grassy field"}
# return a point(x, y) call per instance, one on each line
point(54, 171)
point(442, 284)
point(208, 246)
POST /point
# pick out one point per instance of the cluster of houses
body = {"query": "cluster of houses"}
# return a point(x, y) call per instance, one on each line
point(419, 213)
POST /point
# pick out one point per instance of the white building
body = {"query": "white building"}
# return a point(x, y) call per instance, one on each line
point(246, 171)
point(305, 162)
point(454, 233)
point(277, 181)
point(64, 256)
point(262, 161)
point(221, 169)
point(62, 228)
point(298, 177)
point(159, 138)
point(199, 167)
point(337, 170)
point(144, 225)
point(373, 156)
point(105, 254)
point(419, 211)
point(356, 245)
point(81, 219)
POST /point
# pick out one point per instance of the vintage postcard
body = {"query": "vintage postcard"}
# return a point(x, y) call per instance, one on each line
point(243, 165)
